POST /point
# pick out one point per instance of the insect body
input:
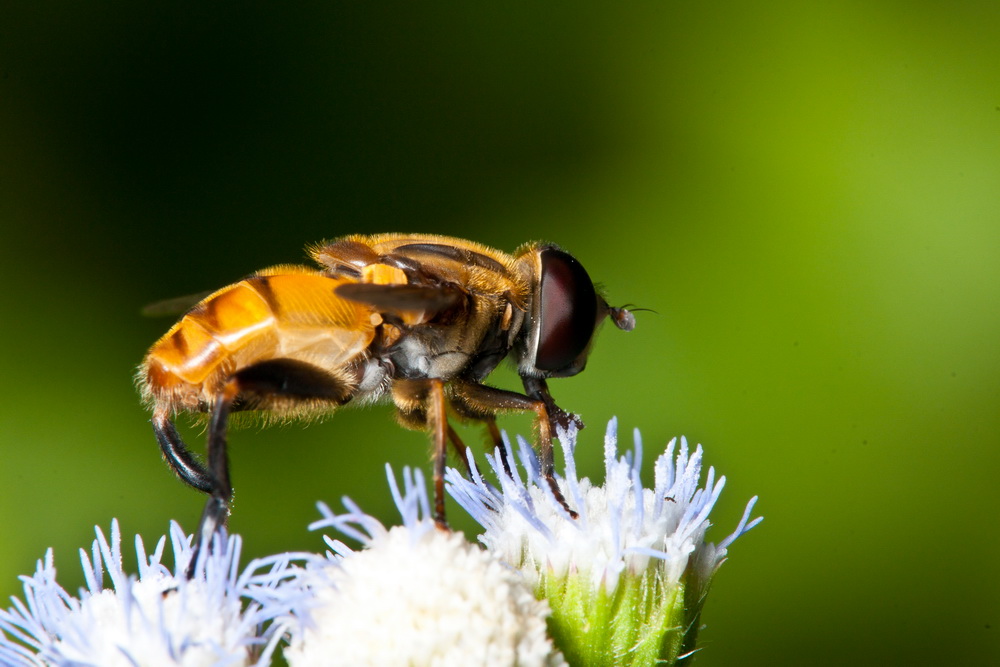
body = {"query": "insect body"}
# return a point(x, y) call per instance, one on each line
point(419, 319)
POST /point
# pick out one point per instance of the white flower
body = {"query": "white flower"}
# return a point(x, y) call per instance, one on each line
point(626, 579)
point(415, 595)
point(163, 617)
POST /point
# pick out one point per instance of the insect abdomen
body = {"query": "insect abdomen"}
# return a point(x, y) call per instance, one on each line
point(286, 312)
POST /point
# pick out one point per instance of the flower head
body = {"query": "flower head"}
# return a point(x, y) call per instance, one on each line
point(414, 595)
point(626, 579)
point(162, 617)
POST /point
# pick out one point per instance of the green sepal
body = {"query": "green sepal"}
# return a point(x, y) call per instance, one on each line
point(642, 622)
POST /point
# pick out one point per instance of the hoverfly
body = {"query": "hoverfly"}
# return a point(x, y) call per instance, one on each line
point(419, 319)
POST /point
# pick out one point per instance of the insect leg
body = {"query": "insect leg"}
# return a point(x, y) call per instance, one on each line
point(438, 421)
point(421, 404)
point(488, 400)
point(538, 389)
point(460, 450)
point(505, 454)
point(491, 428)
point(213, 518)
point(177, 455)
point(490, 422)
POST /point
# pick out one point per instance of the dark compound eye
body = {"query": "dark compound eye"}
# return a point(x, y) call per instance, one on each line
point(567, 311)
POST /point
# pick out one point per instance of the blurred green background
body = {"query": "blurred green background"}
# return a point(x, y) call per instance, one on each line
point(808, 194)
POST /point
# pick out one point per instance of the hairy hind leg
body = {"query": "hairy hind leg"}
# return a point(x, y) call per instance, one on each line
point(266, 385)
point(262, 383)
point(216, 511)
point(213, 479)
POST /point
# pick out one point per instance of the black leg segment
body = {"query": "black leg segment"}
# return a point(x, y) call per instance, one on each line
point(217, 507)
point(177, 455)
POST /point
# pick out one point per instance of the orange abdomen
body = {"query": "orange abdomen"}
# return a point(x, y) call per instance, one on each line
point(281, 313)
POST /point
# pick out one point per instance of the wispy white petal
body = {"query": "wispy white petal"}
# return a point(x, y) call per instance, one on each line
point(652, 540)
point(161, 617)
point(621, 524)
